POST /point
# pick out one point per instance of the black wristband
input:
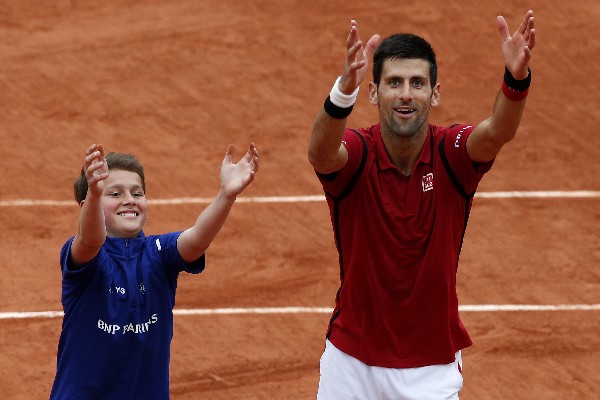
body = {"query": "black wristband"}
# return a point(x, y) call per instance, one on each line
point(335, 111)
point(521, 85)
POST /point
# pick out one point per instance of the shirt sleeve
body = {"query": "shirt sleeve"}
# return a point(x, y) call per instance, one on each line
point(166, 248)
point(336, 182)
point(468, 172)
point(70, 273)
point(73, 280)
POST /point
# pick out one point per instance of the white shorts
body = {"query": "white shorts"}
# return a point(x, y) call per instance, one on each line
point(345, 377)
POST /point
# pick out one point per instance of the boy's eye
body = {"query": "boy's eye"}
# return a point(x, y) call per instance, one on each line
point(114, 194)
point(138, 194)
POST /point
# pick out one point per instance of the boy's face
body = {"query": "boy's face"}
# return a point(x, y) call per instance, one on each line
point(124, 204)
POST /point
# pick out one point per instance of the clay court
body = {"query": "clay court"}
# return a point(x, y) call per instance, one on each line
point(174, 82)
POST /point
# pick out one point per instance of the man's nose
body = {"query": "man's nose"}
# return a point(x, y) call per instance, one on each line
point(405, 93)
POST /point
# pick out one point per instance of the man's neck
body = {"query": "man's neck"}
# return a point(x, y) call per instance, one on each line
point(404, 151)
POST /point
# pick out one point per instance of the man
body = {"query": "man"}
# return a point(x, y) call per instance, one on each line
point(399, 194)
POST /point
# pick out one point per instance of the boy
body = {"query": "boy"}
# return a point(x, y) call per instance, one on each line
point(118, 289)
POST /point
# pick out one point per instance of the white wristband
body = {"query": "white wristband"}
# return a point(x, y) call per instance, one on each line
point(340, 99)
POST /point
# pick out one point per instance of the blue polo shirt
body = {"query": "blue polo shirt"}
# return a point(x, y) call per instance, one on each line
point(118, 323)
point(399, 239)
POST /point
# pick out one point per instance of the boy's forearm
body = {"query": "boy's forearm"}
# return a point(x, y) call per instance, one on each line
point(92, 230)
point(194, 241)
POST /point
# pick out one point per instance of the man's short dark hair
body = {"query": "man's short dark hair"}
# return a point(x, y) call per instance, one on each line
point(404, 45)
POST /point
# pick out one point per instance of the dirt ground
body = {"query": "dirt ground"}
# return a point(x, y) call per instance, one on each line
point(175, 81)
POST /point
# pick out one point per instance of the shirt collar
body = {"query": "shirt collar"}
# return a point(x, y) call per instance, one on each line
point(119, 245)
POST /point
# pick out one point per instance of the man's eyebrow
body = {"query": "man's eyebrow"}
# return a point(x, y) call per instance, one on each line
point(416, 76)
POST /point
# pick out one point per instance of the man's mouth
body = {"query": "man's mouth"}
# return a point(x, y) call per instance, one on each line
point(404, 110)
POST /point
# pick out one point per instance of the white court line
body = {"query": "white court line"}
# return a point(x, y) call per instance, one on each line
point(324, 310)
point(302, 199)
point(313, 198)
point(542, 195)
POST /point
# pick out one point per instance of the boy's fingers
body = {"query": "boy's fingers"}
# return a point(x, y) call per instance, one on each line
point(228, 154)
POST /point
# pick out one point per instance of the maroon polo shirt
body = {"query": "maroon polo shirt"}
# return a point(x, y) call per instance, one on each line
point(399, 239)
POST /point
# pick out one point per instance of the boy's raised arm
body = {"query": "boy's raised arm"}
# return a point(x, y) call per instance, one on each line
point(194, 241)
point(92, 230)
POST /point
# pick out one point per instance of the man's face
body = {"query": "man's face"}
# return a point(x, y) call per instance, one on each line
point(404, 96)
point(124, 204)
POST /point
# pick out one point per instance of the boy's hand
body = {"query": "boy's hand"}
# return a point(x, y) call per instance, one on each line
point(236, 177)
point(95, 168)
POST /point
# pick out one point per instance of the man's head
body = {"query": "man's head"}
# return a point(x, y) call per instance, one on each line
point(124, 201)
point(405, 85)
point(404, 45)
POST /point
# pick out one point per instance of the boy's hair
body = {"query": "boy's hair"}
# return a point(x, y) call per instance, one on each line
point(120, 161)
point(404, 45)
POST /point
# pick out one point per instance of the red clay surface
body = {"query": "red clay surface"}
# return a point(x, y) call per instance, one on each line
point(175, 82)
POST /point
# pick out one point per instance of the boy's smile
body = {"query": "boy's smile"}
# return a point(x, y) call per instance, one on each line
point(124, 204)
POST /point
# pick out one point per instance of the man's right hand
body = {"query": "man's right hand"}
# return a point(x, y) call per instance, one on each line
point(357, 59)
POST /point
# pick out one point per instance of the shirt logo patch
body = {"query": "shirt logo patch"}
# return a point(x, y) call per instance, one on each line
point(158, 245)
point(428, 182)
point(116, 289)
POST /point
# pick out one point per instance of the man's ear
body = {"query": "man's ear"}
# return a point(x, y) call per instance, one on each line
point(435, 95)
point(81, 203)
point(373, 98)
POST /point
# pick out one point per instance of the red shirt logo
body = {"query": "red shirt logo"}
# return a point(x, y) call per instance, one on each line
point(428, 182)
